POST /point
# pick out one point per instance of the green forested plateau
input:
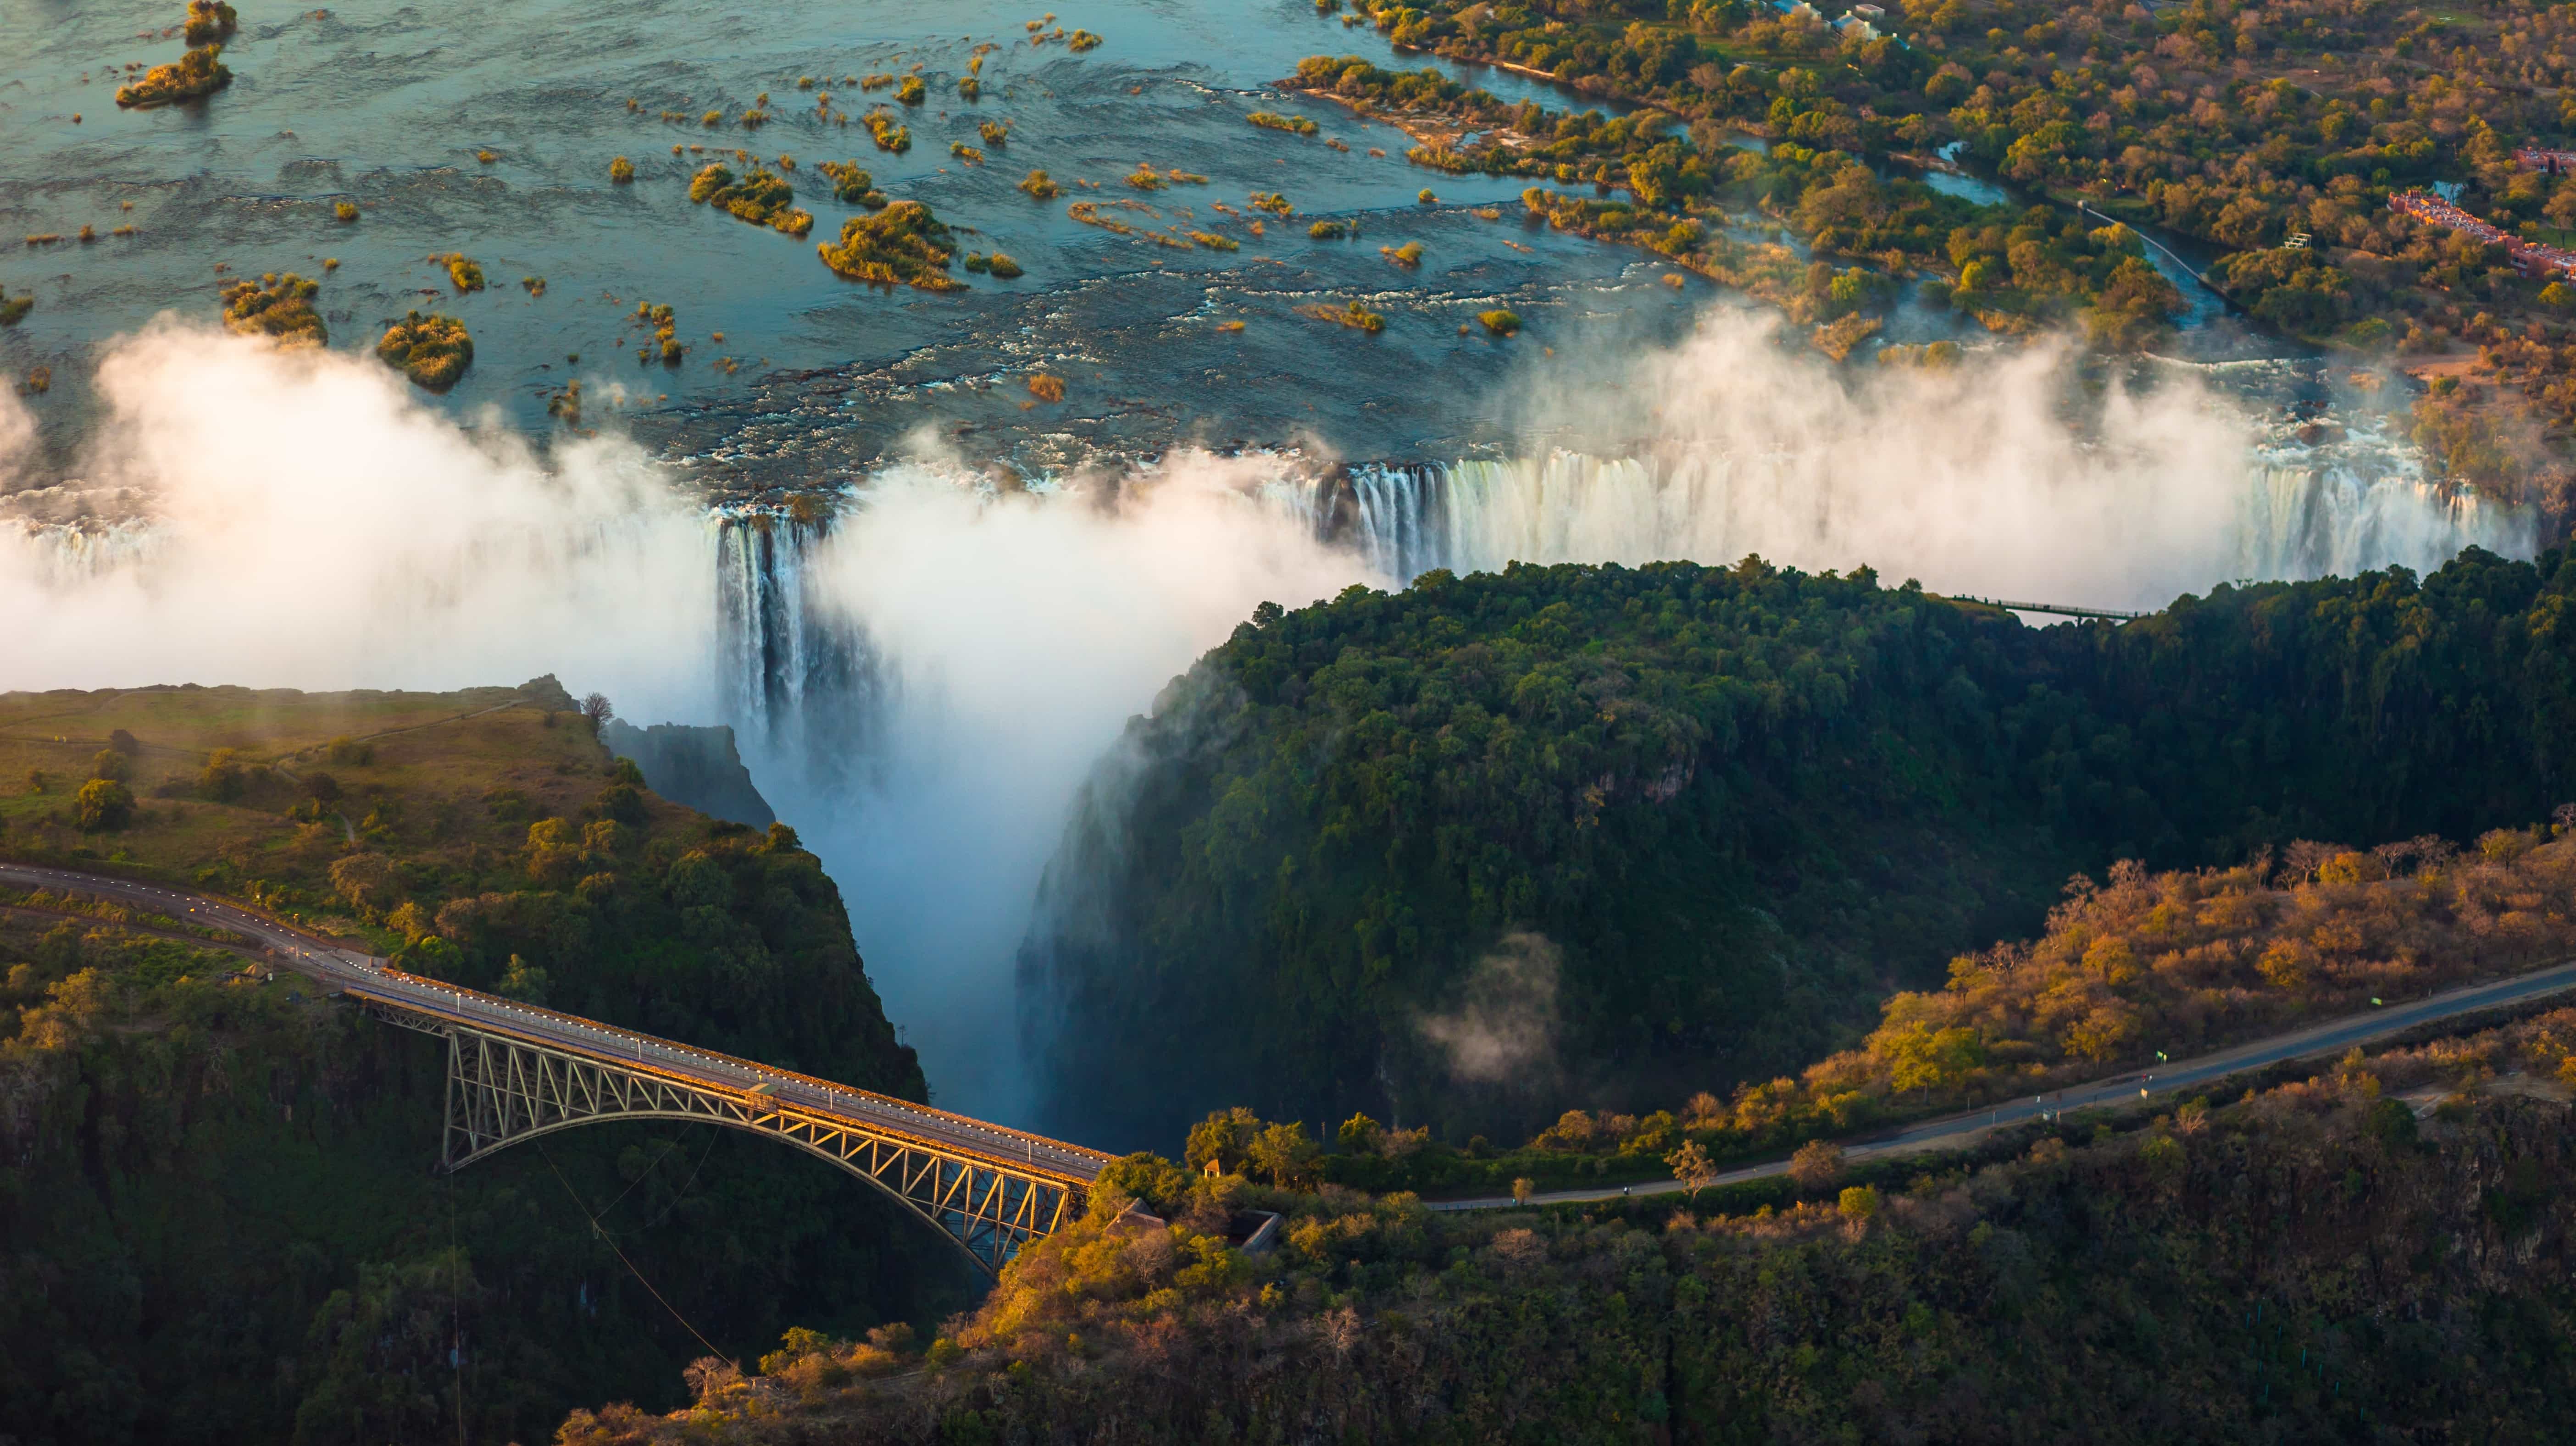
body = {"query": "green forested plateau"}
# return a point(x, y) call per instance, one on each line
point(1467, 854)
point(219, 1221)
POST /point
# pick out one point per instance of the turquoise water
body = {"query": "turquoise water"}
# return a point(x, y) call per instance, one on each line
point(386, 104)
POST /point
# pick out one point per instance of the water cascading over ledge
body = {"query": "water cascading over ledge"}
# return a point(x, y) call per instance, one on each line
point(799, 677)
point(2290, 518)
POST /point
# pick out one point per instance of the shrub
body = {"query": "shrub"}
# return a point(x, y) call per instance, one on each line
point(1499, 321)
point(621, 170)
point(902, 245)
point(466, 272)
point(852, 186)
point(762, 198)
point(1329, 230)
point(1817, 1164)
point(277, 307)
point(1004, 267)
point(1046, 387)
point(1408, 255)
point(197, 73)
point(1080, 41)
point(1040, 185)
point(1293, 124)
point(210, 21)
point(101, 804)
point(432, 350)
point(910, 91)
point(346, 210)
point(887, 134)
point(1355, 316)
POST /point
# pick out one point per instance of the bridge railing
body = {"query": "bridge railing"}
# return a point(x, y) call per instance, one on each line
point(476, 1009)
point(2062, 609)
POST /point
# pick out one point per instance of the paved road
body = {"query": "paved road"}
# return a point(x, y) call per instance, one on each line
point(359, 975)
point(2330, 1037)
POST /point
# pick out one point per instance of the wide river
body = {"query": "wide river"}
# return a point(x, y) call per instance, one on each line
point(923, 691)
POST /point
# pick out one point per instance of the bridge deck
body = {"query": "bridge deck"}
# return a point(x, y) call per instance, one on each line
point(369, 979)
point(885, 1114)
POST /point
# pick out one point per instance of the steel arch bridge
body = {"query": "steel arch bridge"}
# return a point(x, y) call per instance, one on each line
point(516, 1071)
point(505, 1086)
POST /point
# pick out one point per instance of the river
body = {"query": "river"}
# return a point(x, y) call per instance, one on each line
point(922, 688)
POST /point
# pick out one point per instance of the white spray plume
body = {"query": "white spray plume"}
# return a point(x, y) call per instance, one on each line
point(313, 526)
point(1019, 633)
point(1503, 1031)
point(1996, 477)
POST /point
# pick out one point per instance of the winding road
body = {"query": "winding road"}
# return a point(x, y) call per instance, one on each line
point(2327, 1037)
point(358, 975)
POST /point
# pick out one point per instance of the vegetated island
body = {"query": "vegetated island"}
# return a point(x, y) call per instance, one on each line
point(852, 186)
point(279, 307)
point(1293, 124)
point(485, 837)
point(210, 21)
point(431, 349)
point(14, 309)
point(903, 245)
point(199, 72)
point(888, 133)
point(763, 198)
point(666, 332)
point(463, 271)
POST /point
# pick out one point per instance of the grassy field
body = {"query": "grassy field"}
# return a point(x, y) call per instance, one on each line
point(439, 779)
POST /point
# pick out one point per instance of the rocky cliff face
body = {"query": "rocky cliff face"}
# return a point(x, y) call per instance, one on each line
point(697, 766)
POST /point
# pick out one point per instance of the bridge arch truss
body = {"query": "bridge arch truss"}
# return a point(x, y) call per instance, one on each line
point(502, 1089)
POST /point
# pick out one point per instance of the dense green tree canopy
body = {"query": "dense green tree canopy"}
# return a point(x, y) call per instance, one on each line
point(1731, 806)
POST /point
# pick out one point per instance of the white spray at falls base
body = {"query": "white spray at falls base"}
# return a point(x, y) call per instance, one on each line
point(922, 686)
point(1974, 480)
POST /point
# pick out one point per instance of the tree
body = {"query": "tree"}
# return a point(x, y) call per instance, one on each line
point(1283, 1153)
point(523, 982)
point(1522, 1189)
point(367, 881)
point(124, 742)
point(103, 803)
point(223, 776)
point(1223, 1139)
point(321, 787)
point(595, 708)
point(1859, 1203)
point(1359, 1135)
point(1818, 1164)
point(1691, 1166)
point(108, 763)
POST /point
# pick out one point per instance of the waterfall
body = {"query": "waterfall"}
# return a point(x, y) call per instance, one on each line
point(2331, 520)
point(2291, 516)
point(798, 675)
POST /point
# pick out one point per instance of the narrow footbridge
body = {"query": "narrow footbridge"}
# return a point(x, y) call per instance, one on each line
point(515, 1072)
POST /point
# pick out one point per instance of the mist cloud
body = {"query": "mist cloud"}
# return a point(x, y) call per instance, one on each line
point(1503, 1031)
point(309, 524)
point(302, 519)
